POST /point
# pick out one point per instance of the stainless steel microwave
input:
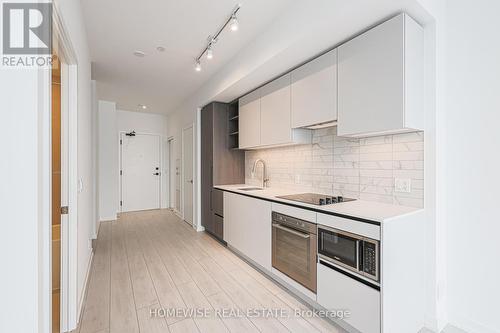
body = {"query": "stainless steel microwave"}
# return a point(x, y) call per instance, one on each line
point(349, 251)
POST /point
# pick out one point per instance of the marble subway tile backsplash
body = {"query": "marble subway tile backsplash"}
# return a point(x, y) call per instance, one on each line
point(359, 168)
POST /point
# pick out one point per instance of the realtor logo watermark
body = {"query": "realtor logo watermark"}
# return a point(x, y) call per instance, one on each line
point(27, 34)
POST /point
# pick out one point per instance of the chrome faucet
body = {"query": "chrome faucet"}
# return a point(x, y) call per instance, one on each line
point(265, 180)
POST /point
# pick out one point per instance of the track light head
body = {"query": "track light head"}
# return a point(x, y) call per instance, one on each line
point(210, 53)
point(234, 23)
point(197, 66)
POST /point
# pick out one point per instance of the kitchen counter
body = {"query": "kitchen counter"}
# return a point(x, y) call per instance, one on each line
point(359, 209)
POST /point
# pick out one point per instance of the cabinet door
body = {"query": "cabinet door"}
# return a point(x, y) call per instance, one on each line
point(314, 91)
point(218, 229)
point(275, 112)
point(218, 202)
point(249, 123)
point(338, 291)
point(371, 80)
point(247, 227)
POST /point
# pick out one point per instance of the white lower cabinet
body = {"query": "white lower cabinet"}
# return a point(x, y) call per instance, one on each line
point(337, 291)
point(247, 227)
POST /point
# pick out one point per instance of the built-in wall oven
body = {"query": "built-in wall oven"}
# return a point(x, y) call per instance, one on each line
point(349, 251)
point(294, 244)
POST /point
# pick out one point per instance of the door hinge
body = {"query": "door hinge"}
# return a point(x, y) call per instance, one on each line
point(64, 210)
point(121, 172)
point(121, 203)
point(121, 141)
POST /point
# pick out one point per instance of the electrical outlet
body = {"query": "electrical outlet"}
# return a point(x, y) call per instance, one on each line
point(402, 185)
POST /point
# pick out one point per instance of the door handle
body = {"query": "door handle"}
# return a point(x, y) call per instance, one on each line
point(156, 174)
point(189, 181)
point(289, 230)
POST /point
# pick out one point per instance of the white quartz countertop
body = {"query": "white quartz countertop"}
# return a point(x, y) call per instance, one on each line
point(368, 210)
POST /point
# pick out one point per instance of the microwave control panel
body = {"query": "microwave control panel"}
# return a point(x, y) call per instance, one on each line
point(370, 258)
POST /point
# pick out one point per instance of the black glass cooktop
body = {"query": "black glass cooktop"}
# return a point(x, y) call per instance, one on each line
point(315, 199)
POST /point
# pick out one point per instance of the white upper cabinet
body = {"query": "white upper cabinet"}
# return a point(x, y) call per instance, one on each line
point(275, 112)
point(380, 80)
point(314, 91)
point(249, 120)
point(265, 118)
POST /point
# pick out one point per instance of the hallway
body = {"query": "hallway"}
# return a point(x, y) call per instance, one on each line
point(152, 260)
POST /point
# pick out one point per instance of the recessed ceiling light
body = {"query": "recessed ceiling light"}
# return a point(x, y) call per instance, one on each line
point(142, 106)
point(160, 48)
point(139, 54)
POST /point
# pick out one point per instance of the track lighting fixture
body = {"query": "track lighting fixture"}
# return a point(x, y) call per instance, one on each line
point(232, 22)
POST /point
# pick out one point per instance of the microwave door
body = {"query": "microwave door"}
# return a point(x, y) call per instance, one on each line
point(339, 247)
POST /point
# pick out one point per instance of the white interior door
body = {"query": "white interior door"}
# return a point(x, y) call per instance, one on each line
point(178, 185)
point(170, 174)
point(187, 173)
point(140, 172)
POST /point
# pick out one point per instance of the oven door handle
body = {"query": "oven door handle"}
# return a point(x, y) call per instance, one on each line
point(296, 233)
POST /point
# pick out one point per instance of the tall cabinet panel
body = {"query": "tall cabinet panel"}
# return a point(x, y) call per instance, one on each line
point(220, 164)
point(206, 165)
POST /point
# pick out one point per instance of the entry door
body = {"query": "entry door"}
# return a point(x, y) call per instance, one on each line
point(187, 174)
point(140, 176)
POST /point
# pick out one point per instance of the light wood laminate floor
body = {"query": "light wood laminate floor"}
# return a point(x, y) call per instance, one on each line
point(152, 260)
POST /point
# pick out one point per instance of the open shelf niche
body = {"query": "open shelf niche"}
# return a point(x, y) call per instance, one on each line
point(234, 125)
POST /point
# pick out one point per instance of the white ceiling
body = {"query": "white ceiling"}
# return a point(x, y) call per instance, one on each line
point(164, 80)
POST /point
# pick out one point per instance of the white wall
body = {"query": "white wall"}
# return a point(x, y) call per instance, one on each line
point(472, 111)
point(95, 158)
point(108, 161)
point(24, 200)
point(25, 179)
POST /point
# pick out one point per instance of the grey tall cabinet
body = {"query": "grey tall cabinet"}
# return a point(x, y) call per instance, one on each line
point(221, 164)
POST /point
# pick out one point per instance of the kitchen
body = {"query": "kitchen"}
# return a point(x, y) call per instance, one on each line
point(316, 177)
point(287, 165)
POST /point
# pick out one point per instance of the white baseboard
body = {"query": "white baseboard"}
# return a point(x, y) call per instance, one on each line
point(94, 236)
point(108, 218)
point(176, 212)
point(83, 294)
point(462, 324)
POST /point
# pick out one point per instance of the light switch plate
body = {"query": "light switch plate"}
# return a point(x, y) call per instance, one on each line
point(402, 185)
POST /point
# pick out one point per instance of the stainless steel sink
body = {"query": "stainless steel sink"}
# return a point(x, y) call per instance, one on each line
point(250, 188)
